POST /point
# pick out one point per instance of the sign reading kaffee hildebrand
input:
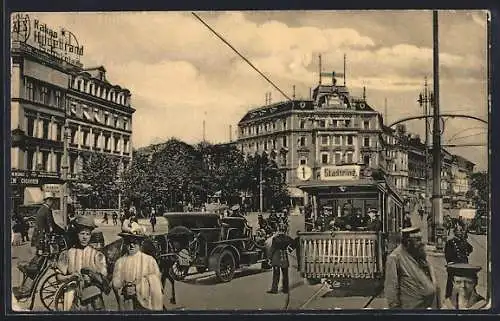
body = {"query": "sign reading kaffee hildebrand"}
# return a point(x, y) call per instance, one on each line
point(342, 172)
point(60, 43)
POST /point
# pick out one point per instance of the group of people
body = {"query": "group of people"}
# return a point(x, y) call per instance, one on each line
point(410, 281)
point(348, 221)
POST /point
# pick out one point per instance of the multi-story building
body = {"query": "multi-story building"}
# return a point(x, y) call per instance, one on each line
point(45, 74)
point(99, 117)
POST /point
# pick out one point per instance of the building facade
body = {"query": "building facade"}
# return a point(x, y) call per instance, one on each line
point(45, 97)
point(305, 137)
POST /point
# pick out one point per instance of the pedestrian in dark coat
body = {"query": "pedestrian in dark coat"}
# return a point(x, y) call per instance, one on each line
point(456, 250)
point(279, 258)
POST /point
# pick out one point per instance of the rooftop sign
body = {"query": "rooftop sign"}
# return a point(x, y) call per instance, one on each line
point(60, 43)
point(342, 172)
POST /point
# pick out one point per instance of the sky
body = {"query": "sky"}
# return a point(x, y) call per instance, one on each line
point(179, 73)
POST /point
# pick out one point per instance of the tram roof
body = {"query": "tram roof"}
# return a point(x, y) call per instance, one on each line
point(357, 182)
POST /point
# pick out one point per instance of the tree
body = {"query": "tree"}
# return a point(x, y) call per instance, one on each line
point(480, 190)
point(100, 172)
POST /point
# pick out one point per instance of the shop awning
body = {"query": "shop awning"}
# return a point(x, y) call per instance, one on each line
point(322, 184)
point(295, 192)
point(33, 195)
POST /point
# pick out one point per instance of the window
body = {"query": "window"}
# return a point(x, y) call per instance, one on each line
point(366, 124)
point(72, 163)
point(45, 160)
point(274, 125)
point(257, 130)
point(283, 159)
point(125, 142)
point(29, 90)
point(349, 140)
point(265, 145)
point(117, 143)
point(322, 123)
point(31, 126)
point(85, 138)
point(45, 125)
point(116, 122)
point(274, 143)
point(74, 136)
point(338, 158)
point(366, 159)
point(58, 132)
point(303, 161)
point(284, 124)
point(58, 162)
point(366, 141)
point(79, 85)
point(347, 123)
point(106, 143)
point(125, 125)
point(325, 140)
point(29, 160)
point(302, 141)
point(334, 123)
point(96, 140)
point(337, 140)
point(58, 101)
point(324, 158)
point(302, 124)
point(349, 158)
point(106, 119)
point(284, 141)
point(44, 98)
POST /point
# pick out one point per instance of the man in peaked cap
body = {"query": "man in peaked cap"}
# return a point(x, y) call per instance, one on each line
point(464, 295)
point(456, 250)
point(136, 276)
point(279, 258)
point(44, 224)
point(410, 282)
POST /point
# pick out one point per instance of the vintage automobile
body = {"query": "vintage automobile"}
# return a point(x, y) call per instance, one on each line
point(223, 244)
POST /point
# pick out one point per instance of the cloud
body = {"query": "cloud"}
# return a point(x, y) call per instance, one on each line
point(177, 69)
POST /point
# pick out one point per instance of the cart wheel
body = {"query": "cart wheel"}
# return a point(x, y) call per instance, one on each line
point(48, 291)
point(226, 266)
point(59, 296)
point(178, 272)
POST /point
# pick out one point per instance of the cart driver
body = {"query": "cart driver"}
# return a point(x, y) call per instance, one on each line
point(83, 262)
point(137, 277)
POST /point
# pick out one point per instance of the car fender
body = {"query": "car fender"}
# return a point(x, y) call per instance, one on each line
point(216, 251)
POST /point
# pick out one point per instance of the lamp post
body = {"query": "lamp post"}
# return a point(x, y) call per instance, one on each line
point(261, 198)
point(65, 167)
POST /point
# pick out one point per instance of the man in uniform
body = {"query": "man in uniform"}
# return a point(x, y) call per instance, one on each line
point(456, 250)
point(136, 276)
point(464, 295)
point(410, 282)
point(279, 258)
point(44, 225)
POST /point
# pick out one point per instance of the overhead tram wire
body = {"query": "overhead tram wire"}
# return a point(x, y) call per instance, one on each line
point(242, 57)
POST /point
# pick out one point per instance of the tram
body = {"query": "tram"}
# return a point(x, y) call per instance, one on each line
point(353, 226)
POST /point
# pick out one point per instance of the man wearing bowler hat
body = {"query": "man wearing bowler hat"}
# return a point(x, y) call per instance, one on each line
point(464, 295)
point(410, 282)
point(136, 276)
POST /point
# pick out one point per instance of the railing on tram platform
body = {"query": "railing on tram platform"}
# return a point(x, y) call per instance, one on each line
point(341, 254)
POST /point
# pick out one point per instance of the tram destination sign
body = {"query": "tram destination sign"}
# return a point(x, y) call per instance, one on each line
point(342, 172)
point(60, 43)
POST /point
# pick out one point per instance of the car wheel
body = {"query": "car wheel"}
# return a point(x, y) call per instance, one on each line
point(226, 266)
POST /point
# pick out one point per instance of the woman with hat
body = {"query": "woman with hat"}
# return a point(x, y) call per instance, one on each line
point(137, 277)
point(83, 263)
point(464, 295)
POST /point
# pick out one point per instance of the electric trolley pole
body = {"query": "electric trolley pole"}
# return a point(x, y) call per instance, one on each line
point(65, 167)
